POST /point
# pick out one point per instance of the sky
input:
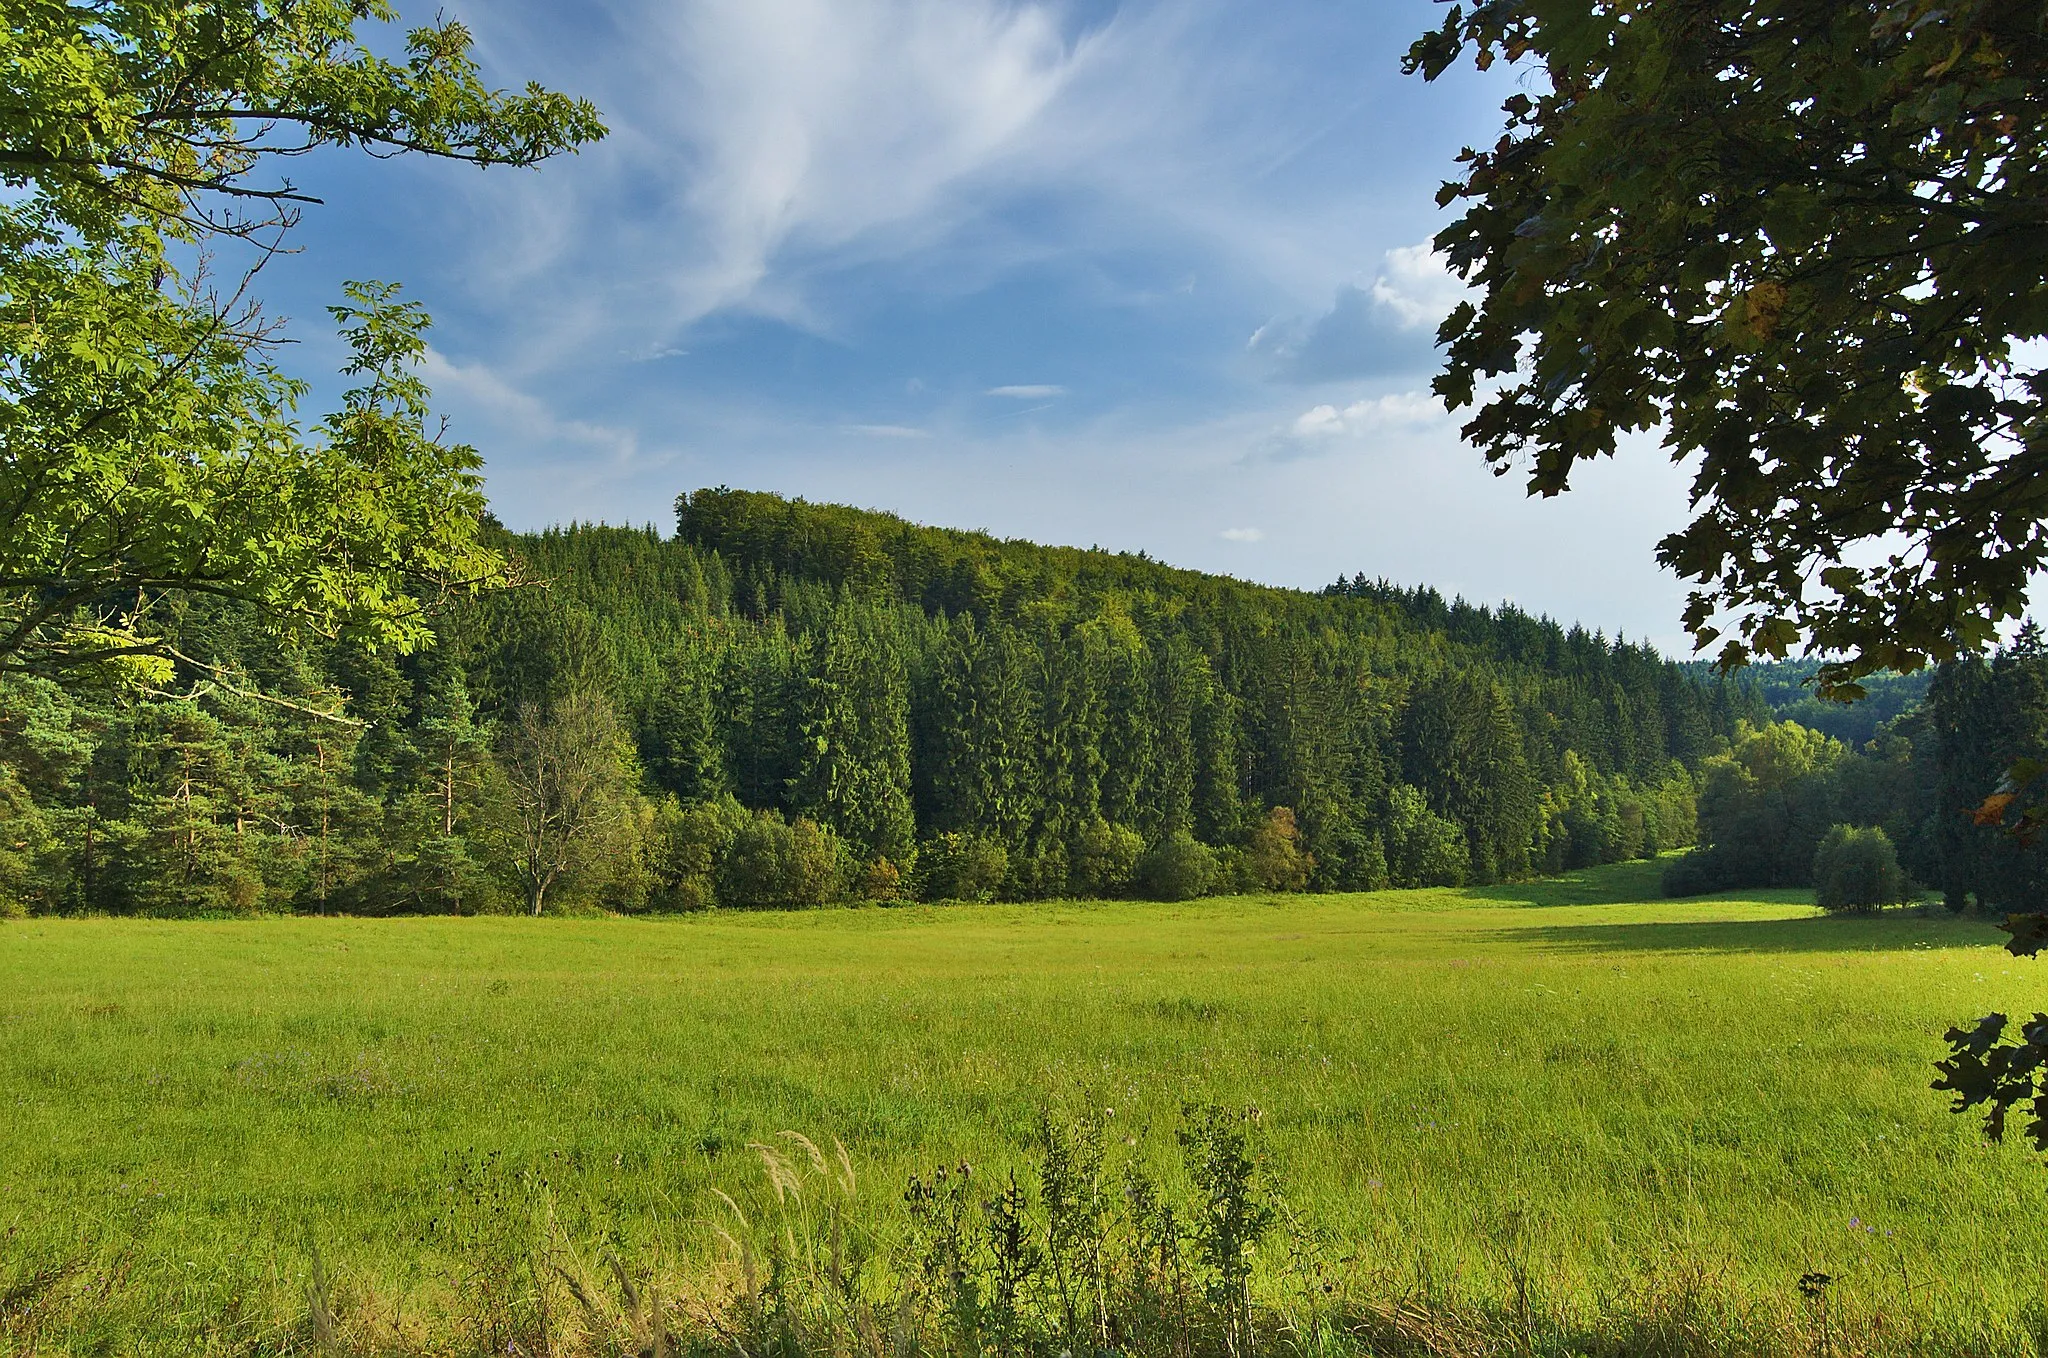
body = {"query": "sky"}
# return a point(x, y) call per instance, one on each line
point(1148, 276)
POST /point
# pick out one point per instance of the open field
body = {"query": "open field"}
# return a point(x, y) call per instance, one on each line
point(1607, 1090)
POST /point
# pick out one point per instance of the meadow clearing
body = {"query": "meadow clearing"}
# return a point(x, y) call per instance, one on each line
point(1557, 1095)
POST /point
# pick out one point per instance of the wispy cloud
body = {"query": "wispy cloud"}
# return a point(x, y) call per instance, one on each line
point(753, 139)
point(1384, 327)
point(762, 149)
point(478, 396)
point(863, 218)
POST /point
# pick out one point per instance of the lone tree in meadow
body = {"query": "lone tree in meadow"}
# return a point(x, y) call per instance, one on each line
point(148, 447)
point(1801, 243)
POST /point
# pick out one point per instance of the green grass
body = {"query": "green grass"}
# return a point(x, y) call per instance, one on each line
point(1613, 1088)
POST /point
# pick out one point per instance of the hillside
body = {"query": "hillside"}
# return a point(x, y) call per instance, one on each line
point(1040, 687)
point(856, 705)
point(1786, 687)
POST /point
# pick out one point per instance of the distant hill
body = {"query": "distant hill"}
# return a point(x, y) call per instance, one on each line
point(1786, 687)
point(1044, 688)
point(787, 703)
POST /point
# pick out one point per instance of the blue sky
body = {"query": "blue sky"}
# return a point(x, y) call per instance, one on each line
point(1147, 275)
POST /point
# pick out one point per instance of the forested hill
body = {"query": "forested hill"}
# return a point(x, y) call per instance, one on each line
point(897, 682)
point(1787, 687)
point(788, 703)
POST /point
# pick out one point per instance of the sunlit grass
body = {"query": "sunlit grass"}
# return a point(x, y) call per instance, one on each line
point(1604, 1084)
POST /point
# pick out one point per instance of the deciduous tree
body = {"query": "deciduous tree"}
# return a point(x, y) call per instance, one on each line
point(148, 446)
point(569, 794)
point(1800, 242)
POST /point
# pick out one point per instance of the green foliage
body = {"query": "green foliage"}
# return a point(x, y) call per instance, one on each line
point(570, 817)
point(957, 866)
point(1177, 868)
point(772, 863)
point(1094, 687)
point(690, 844)
point(148, 447)
point(1763, 810)
point(1789, 686)
point(1784, 235)
point(1857, 868)
point(1422, 848)
point(27, 843)
point(1233, 1213)
point(146, 112)
point(853, 735)
point(1274, 859)
point(1105, 859)
point(884, 882)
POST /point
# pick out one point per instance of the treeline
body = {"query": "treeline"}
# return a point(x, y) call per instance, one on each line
point(1768, 807)
point(1787, 687)
point(785, 703)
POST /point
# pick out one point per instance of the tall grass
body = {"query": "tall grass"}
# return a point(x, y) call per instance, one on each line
point(1530, 1120)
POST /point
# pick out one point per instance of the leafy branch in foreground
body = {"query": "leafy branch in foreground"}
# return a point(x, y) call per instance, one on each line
point(146, 455)
point(1802, 241)
point(1983, 1068)
point(160, 111)
point(148, 445)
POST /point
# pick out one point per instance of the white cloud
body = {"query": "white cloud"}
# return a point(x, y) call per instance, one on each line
point(479, 395)
point(764, 151)
point(1027, 392)
point(814, 121)
point(1402, 409)
point(1242, 535)
point(1321, 422)
point(577, 469)
point(1417, 285)
point(888, 431)
point(753, 139)
point(1380, 329)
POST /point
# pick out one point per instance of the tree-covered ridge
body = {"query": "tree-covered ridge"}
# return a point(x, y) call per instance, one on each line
point(1791, 689)
point(794, 703)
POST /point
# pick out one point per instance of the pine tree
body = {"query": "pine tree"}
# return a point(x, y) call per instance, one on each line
point(853, 747)
point(681, 745)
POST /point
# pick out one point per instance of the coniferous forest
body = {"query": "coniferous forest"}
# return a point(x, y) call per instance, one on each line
point(789, 704)
point(784, 703)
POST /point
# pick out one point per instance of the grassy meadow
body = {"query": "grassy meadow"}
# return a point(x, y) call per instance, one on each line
point(1570, 1083)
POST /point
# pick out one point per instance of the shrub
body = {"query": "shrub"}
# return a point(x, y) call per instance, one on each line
point(443, 873)
point(689, 844)
point(773, 862)
point(1856, 868)
point(1040, 873)
point(960, 867)
point(28, 884)
point(882, 881)
point(1273, 855)
point(1701, 871)
point(1423, 848)
point(1179, 868)
point(1105, 859)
